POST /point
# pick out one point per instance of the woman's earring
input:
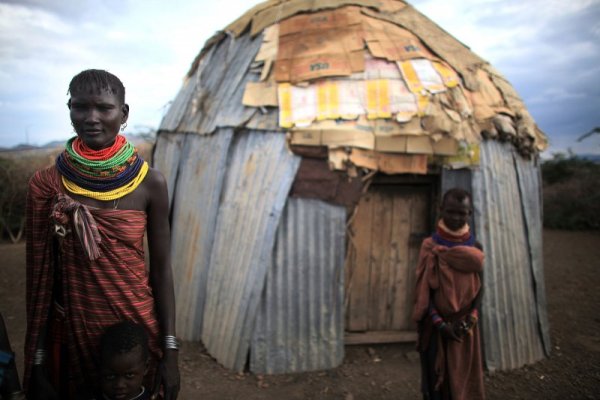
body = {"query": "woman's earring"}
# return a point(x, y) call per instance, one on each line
point(123, 126)
point(74, 131)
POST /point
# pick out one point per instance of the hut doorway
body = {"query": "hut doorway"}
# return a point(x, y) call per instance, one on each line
point(383, 248)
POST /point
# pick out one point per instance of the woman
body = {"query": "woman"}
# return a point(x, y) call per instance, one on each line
point(86, 219)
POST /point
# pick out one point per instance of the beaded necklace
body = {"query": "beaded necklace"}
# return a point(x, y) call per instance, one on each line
point(106, 174)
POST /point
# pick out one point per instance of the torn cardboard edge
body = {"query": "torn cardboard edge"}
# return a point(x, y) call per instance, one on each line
point(339, 159)
point(389, 41)
point(340, 18)
point(282, 11)
point(367, 139)
point(440, 42)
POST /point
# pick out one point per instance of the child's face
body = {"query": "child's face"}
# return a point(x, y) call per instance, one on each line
point(455, 214)
point(122, 374)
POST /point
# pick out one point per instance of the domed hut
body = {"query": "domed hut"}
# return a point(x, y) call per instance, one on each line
point(305, 155)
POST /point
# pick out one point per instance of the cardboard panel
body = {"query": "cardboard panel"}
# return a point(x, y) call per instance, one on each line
point(392, 42)
point(324, 20)
point(396, 144)
point(446, 147)
point(390, 163)
point(260, 94)
point(328, 43)
point(420, 76)
point(270, 44)
point(279, 12)
point(419, 145)
point(346, 99)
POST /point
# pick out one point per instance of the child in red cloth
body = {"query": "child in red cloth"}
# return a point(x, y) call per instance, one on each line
point(447, 299)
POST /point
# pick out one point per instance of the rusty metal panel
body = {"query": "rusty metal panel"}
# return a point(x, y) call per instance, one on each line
point(194, 214)
point(530, 185)
point(259, 175)
point(212, 96)
point(511, 336)
point(300, 322)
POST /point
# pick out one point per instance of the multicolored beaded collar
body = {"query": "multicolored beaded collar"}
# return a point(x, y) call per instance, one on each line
point(106, 174)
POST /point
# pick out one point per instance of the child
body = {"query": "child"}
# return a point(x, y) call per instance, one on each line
point(447, 298)
point(124, 361)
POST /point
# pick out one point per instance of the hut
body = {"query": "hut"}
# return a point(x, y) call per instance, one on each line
point(305, 154)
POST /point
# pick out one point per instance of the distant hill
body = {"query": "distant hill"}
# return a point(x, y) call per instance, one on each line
point(591, 157)
point(137, 140)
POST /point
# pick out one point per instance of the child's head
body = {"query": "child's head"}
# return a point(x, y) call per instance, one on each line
point(456, 208)
point(124, 360)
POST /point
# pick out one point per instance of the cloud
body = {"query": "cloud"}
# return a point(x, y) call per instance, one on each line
point(548, 49)
point(554, 94)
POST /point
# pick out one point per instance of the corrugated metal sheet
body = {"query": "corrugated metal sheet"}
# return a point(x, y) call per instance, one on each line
point(166, 158)
point(194, 215)
point(510, 318)
point(258, 178)
point(212, 97)
point(300, 322)
point(530, 185)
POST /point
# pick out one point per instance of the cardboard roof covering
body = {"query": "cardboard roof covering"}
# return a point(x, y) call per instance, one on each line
point(376, 76)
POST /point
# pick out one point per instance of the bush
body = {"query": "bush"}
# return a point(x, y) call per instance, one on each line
point(15, 171)
point(571, 193)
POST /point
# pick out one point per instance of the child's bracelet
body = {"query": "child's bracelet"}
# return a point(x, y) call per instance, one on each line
point(171, 343)
point(39, 357)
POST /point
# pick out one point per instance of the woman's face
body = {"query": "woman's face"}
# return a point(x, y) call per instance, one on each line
point(97, 117)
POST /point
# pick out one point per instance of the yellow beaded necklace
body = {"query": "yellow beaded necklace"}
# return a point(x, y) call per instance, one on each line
point(112, 194)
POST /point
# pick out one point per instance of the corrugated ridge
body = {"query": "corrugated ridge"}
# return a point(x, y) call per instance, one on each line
point(196, 203)
point(299, 326)
point(219, 85)
point(258, 178)
point(530, 185)
point(509, 318)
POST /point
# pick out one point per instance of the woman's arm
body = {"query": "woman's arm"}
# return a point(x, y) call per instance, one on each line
point(161, 276)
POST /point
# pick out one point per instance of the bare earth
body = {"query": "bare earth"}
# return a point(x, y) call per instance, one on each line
point(392, 371)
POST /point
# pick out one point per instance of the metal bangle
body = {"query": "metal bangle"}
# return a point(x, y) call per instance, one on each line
point(171, 343)
point(39, 357)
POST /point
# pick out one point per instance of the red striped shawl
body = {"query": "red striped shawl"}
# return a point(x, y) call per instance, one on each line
point(97, 293)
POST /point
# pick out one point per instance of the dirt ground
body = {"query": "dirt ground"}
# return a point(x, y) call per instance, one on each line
point(392, 371)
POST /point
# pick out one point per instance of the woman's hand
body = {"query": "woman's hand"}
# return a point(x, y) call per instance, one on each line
point(168, 376)
point(39, 385)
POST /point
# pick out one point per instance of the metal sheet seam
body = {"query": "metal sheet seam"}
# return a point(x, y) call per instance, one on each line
point(534, 278)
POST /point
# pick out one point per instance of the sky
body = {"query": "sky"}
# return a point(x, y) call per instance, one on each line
point(548, 49)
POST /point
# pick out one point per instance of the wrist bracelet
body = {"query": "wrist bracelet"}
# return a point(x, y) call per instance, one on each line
point(39, 357)
point(171, 343)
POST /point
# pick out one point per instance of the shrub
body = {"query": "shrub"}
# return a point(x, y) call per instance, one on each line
point(571, 193)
